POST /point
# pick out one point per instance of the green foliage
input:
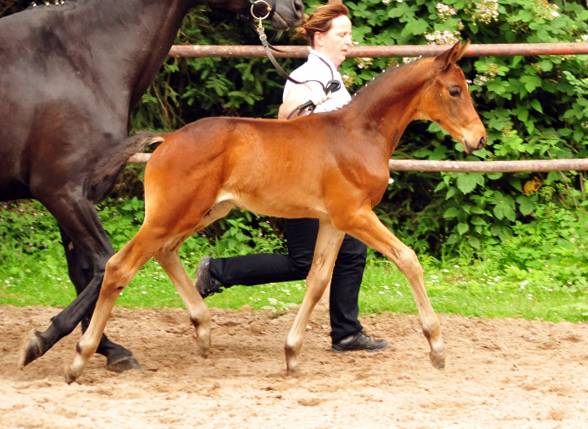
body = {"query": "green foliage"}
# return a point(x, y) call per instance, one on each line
point(26, 228)
point(533, 107)
point(540, 272)
point(187, 89)
point(553, 243)
point(32, 260)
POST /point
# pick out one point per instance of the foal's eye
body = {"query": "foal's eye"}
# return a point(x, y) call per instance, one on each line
point(455, 92)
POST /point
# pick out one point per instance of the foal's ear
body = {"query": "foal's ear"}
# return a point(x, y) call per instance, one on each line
point(452, 55)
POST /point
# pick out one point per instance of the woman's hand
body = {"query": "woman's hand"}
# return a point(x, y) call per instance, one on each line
point(300, 94)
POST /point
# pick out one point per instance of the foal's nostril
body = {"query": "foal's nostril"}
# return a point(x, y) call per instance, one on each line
point(482, 143)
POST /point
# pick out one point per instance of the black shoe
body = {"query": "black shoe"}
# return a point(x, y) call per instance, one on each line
point(205, 283)
point(359, 341)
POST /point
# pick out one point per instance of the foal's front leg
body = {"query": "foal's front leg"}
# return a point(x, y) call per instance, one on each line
point(367, 227)
point(327, 247)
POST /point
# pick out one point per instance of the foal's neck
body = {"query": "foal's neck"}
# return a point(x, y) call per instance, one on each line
point(389, 103)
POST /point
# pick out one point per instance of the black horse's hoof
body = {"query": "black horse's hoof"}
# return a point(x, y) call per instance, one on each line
point(31, 348)
point(123, 364)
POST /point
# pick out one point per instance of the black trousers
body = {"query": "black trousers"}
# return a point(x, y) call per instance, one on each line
point(271, 268)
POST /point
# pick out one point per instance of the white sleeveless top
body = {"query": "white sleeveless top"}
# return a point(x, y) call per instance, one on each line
point(315, 69)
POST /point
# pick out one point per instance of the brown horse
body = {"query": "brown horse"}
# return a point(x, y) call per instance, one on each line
point(331, 166)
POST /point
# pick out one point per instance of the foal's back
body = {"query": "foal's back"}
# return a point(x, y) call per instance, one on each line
point(245, 160)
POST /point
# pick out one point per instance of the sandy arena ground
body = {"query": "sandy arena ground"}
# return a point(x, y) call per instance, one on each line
point(500, 374)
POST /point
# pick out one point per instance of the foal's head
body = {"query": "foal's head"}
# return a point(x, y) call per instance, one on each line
point(447, 101)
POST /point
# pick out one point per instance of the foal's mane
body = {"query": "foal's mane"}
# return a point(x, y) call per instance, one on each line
point(398, 76)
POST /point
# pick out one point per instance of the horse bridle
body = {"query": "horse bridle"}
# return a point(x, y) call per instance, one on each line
point(259, 10)
point(265, 12)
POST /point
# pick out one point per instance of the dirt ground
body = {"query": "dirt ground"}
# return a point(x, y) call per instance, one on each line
point(500, 374)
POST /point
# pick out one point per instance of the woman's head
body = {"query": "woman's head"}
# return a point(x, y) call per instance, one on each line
point(328, 30)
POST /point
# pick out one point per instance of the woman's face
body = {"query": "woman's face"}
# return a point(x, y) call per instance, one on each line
point(334, 43)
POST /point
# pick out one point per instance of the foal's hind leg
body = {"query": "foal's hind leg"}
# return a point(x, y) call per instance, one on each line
point(328, 243)
point(365, 226)
point(120, 270)
point(198, 310)
point(168, 258)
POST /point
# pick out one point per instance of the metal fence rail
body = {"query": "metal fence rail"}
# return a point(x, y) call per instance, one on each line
point(460, 166)
point(505, 49)
point(490, 166)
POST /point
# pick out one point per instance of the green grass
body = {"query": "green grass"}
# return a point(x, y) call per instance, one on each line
point(534, 275)
point(472, 291)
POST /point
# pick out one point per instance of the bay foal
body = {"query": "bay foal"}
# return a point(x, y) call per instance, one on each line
point(331, 166)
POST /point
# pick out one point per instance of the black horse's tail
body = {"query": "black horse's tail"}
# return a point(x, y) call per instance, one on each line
point(104, 173)
point(143, 139)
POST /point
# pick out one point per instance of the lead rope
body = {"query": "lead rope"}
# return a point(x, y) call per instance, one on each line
point(332, 86)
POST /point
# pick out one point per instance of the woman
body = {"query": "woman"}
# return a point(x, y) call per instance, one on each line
point(328, 31)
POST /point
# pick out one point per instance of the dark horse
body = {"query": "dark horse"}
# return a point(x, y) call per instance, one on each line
point(70, 76)
point(331, 166)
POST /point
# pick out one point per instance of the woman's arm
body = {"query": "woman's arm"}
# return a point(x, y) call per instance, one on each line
point(300, 94)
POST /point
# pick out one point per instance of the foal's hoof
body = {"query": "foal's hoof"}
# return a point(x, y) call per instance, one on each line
point(293, 372)
point(122, 364)
point(69, 378)
point(202, 351)
point(31, 348)
point(438, 363)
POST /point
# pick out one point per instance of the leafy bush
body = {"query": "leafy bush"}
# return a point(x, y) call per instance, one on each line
point(532, 106)
point(552, 242)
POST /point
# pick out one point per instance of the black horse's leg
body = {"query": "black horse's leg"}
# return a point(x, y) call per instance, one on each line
point(81, 272)
point(87, 250)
